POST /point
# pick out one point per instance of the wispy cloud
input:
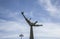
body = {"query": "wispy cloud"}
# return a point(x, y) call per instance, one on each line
point(53, 9)
point(9, 15)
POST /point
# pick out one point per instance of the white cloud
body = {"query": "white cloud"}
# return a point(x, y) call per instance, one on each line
point(48, 30)
point(12, 26)
point(53, 9)
point(12, 29)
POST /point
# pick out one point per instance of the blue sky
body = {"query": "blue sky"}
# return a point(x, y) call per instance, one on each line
point(46, 12)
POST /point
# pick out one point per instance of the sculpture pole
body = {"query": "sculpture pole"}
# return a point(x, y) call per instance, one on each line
point(31, 33)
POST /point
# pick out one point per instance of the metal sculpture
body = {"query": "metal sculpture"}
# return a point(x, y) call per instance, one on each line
point(31, 24)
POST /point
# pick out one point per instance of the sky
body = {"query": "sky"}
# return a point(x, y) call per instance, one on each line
point(46, 12)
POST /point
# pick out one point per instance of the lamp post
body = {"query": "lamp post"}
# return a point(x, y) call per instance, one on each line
point(21, 35)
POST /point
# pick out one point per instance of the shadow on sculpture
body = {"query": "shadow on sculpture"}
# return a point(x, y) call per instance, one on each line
point(31, 25)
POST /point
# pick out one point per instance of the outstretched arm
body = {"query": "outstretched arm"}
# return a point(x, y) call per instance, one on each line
point(38, 25)
point(27, 20)
point(23, 15)
point(36, 22)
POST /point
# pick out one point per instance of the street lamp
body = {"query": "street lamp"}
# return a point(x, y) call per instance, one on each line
point(21, 35)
